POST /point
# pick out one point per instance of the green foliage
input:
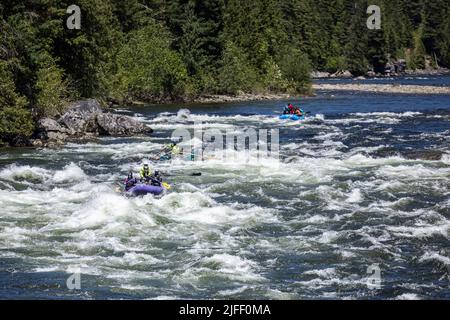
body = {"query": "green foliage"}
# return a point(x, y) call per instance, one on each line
point(296, 68)
point(335, 64)
point(236, 73)
point(52, 91)
point(147, 69)
point(16, 124)
point(8, 95)
point(159, 50)
point(15, 121)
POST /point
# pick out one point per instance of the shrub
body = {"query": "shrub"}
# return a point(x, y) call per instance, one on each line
point(16, 122)
point(236, 74)
point(147, 69)
point(296, 69)
point(52, 92)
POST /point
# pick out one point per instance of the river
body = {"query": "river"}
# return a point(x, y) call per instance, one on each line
point(355, 190)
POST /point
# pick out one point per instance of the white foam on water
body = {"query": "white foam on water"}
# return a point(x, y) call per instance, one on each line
point(233, 292)
point(412, 172)
point(221, 225)
point(421, 231)
point(329, 237)
point(71, 173)
point(355, 196)
point(235, 267)
point(408, 296)
point(25, 174)
point(328, 273)
point(407, 114)
point(434, 256)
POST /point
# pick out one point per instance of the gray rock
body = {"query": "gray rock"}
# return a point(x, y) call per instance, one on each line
point(80, 118)
point(319, 74)
point(119, 125)
point(49, 129)
point(48, 124)
point(37, 143)
point(85, 121)
point(342, 74)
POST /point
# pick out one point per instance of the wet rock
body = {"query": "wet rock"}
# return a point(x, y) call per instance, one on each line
point(85, 121)
point(118, 125)
point(50, 129)
point(431, 155)
point(342, 74)
point(20, 141)
point(81, 116)
point(37, 143)
point(319, 74)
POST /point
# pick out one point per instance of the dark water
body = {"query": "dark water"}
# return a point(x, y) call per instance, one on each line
point(363, 182)
point(439, 81)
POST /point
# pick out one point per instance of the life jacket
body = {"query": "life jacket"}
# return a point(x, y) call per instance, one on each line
point(129, 183)
point(173, 149)
point(145, 173)
point(176, 150)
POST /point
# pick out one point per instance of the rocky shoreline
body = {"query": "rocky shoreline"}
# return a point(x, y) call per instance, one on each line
point(244, 97)
point(345, 74)
point(384, 88)
point(84, 121)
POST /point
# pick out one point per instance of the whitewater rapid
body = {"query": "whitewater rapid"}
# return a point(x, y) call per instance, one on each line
point(342, 198)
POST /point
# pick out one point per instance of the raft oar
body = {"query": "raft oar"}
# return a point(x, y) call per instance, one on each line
point(194, 174)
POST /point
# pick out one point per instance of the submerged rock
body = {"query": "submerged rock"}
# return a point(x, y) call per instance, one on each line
point(423, 155)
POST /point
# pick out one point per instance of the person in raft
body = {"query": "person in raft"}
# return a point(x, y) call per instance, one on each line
point(299, 112)
point(146, 175)
point(290, 109)
point(130, 181)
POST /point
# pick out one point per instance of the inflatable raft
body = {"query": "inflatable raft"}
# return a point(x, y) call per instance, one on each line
point(144, 189)
point(292, 117)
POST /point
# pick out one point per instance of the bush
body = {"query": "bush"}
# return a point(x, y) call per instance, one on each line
point(236, 74)
point(296, 69)
point(335, 64)
point(8, 95)
point(147, 69)
point(16, 124)
point(274, 77)
point(52, 92)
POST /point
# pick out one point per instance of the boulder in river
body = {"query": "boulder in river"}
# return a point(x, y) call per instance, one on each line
point(85, 120)
point(50, 129)
point(81, 117)
point(119, 125)
point(429, 155)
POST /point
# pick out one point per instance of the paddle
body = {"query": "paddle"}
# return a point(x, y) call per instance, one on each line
point(194, 174)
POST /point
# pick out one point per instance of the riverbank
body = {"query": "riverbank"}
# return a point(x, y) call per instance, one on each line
point(245, 97)
point(384, 88)
point(410, 73)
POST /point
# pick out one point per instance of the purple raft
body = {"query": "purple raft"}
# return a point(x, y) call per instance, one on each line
point(144, 189)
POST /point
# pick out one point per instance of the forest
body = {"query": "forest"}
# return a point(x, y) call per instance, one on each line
point(157, 51)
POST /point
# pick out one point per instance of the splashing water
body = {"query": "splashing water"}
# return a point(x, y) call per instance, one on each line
point(358, 183)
